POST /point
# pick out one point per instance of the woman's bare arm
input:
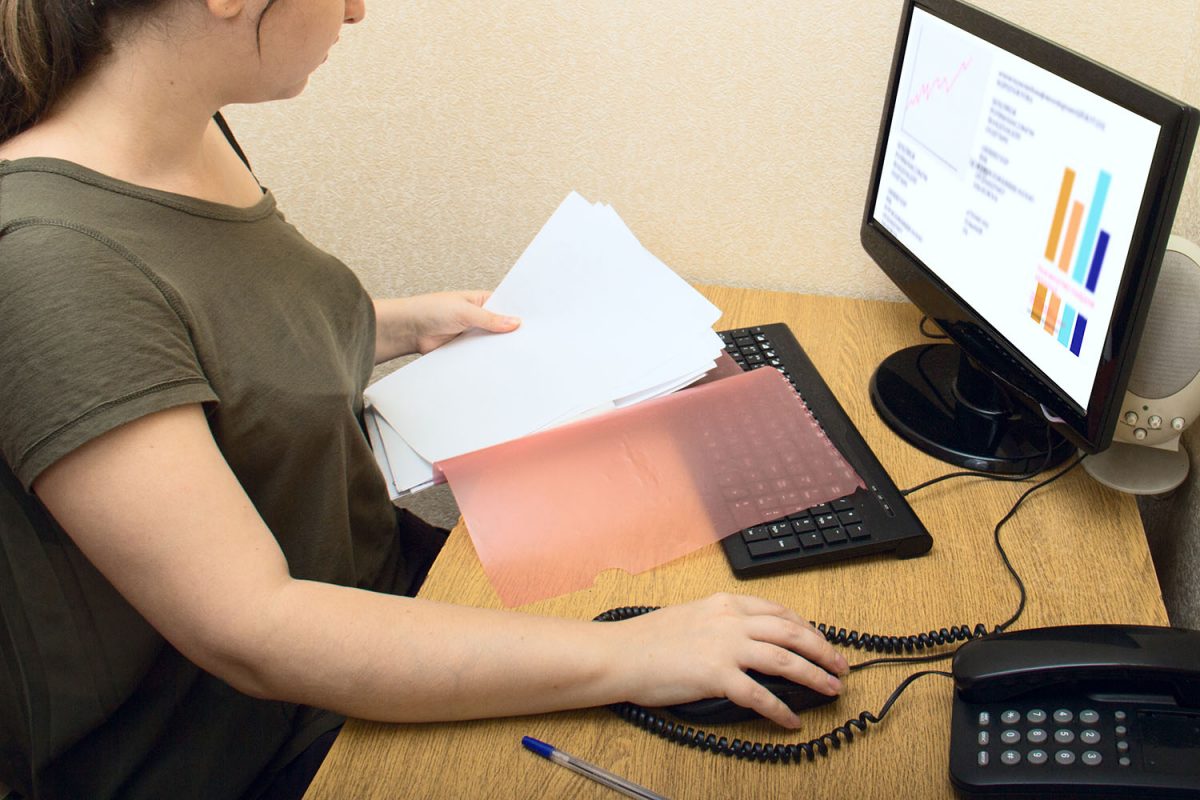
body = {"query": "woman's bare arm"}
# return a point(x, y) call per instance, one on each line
point(155, 507)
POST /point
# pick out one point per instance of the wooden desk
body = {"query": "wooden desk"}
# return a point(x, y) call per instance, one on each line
point(1079, 546)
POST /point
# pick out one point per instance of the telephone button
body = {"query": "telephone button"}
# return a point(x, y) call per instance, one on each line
point(1064, 736)
point(1010, 758)
point(1119, 716)
point(1120, 730)
point(1036, 716)
point(1036, 736)
point(1063, 716)
point(984, 738)
point(1091, 758)
point(1122, 747)
point(985, 719)
point(1037, 757)
point(1010, 736)
point(982, 758)
point(1010, 717)
point(1124, 761)
point(1064, 757)
point(1089, 736)
point(1089, 716)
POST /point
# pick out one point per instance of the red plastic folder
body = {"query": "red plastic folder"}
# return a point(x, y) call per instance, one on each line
point(640, 486)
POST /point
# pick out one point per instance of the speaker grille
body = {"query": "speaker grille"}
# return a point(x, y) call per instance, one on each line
point(1168, 356)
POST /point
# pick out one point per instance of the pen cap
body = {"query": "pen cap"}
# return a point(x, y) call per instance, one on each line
point(541, 748)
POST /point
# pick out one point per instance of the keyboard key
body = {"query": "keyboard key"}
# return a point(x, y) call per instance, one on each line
point(803, 525)
point(811, 539)
point(784, 544)
point(850, 517)
point(857, 532)
point(827, 521)
point(834, 535)
point(755, 534)
point(842, 504)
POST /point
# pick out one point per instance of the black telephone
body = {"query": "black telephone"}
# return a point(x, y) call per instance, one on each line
point(1078, 711)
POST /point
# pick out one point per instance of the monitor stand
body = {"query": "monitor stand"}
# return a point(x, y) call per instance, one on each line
point(933, 396)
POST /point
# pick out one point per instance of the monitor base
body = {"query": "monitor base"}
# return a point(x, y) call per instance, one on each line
point(934, 397)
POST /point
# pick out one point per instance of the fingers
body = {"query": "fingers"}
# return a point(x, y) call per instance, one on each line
point(782, 644)
point(473, 315)
point(802, 639)
point(771, 622)
point(749, 693)
point(497, 323)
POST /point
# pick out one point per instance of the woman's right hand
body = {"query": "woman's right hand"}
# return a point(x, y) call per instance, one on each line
point(703, 649)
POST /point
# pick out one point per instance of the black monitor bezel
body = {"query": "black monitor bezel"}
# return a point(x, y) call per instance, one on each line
point(1090, 430)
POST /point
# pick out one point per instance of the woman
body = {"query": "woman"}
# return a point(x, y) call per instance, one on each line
point(201, 569)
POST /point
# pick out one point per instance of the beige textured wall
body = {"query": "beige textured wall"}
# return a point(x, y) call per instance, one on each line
point(733, 137)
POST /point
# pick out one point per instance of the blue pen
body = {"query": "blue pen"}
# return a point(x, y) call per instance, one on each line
point(601, 776)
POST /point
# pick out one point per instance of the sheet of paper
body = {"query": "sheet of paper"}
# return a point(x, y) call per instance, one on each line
point(640, 486)
point(404, 471)
point(592, 301)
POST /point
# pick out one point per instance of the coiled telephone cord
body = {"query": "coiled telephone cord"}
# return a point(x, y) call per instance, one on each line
point(687, 736)
point(918, 642)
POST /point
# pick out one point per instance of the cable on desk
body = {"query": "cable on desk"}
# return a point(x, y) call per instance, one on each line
point(874, 643)
point(769, 753)
point(689, 736)
point(927, 333)
point(1011, 513)
point(991, 476)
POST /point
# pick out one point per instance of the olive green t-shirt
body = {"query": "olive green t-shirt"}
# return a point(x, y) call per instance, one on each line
point(115, 302)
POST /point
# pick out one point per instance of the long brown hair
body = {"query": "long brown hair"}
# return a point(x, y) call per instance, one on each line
point(46, 45)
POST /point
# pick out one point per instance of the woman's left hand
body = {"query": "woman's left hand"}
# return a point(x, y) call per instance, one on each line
point(425, 322)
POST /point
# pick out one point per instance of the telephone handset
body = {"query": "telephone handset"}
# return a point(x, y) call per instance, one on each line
point(1078, 711)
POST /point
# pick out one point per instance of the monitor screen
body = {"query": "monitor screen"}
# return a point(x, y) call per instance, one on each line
point(1022, 197)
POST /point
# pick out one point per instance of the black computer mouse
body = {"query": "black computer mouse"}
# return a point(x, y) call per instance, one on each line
point(717, 710)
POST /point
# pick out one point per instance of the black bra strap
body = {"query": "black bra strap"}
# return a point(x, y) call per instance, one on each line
point(224, 126)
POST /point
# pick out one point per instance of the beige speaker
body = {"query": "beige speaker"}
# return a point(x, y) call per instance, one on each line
point(1163, 398)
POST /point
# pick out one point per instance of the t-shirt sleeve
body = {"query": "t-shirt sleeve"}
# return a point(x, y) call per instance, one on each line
point(89, 339)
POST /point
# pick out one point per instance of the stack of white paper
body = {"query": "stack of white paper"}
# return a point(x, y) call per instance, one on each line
point(603, 324)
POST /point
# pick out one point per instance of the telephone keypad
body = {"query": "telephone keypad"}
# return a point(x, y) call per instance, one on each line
point(1047, 744)
point(1068, 728)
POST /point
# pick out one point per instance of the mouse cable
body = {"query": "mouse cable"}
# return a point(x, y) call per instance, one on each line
point(916, 643)
point(688, 736)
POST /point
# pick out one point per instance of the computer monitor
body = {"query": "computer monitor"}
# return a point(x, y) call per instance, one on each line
point(1021, 196)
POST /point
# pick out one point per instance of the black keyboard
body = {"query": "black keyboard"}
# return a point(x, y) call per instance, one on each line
point(872, 520)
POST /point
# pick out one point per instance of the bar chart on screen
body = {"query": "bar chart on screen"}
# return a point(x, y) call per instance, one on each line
point(1064, 290)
